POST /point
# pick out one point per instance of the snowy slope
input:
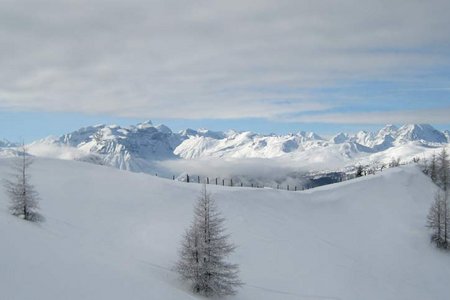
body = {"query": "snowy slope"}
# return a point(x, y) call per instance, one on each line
point(111, 234)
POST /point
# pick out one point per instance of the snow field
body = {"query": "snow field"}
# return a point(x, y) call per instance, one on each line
point(112, 234)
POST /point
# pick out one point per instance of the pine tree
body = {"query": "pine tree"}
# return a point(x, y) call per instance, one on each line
point(23, 196)
point(204, 250)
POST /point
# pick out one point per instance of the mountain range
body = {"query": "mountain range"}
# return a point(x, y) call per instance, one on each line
point(138, 148)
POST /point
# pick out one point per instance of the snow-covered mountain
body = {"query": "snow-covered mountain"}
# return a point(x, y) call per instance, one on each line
point(202, 132)
point(295, 146)
point(7, 144)
point(447, 135)
point(247, 145)
point(423, 133)
point(390, 136)
point(134, 148)
point(138, 148)
point(8, 149)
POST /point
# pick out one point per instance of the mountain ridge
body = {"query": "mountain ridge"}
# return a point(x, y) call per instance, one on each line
point(136, 148)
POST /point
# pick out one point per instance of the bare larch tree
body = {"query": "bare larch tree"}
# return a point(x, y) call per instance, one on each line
point(443, 170)
point(431, 169)
point(204, 250)
point(23, 196)
point(438, 219)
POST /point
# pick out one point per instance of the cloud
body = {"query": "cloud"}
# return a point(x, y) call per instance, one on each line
point(209, 59)
point(227, 168)
point(435, 116)
point(55, 151)
point(259, 171)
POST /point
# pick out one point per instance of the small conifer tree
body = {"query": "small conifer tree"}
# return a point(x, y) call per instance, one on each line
point(204, 250)
point(23, 196)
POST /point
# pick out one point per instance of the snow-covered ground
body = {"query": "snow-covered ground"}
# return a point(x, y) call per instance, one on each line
point(112, 234)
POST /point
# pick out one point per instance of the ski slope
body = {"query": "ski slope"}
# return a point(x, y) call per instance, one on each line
point(112, 234)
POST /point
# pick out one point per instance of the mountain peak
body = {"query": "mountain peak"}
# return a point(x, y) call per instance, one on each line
point(309, 135)
point(340, 138)
point(420, 132)
point(164, 129)
point(145, 124)
point(388, 129)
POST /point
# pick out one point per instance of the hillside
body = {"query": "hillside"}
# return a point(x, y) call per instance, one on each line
point(111, 234)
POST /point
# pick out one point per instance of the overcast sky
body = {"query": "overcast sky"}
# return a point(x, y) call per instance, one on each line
point(257, 64)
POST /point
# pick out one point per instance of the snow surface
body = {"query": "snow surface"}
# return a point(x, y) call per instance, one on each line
point(111, 234)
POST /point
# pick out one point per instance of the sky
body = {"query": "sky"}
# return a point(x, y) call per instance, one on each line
point(265, 66)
